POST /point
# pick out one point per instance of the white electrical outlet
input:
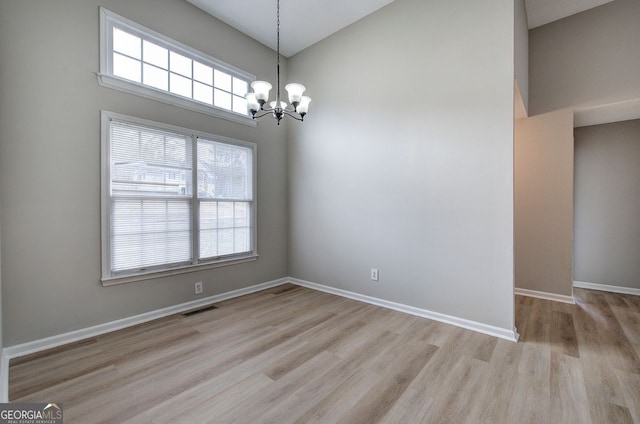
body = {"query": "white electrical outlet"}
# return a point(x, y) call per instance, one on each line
point(198, 287)
point(374, 274)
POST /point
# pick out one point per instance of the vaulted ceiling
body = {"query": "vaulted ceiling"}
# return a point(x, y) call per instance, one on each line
point(305, 22)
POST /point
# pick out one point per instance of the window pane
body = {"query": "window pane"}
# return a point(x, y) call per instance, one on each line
point(240, 87)
point(241, 214)
point(219, 234)
point(241, 240)
point(225, 242)
point(208, 215)
point(203, 73)
point(177, 151)
point(240, 105)
point(151, 147)
point(208, 229)
point(124, 142)
point(155, 77)
point(149, 162)
point(225, 215)
point(208, 243)
point(203, 93)
point(126, 67)
point(147, 233)
point(180, 85)
point(180, 64)
point(222, 99)
point(224, 171)
point(222, 80)
point(155, 54)
point(126, 43)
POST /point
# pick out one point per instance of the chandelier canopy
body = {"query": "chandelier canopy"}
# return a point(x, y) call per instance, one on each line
point(257, 100)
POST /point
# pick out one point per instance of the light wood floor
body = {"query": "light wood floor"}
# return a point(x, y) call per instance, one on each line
point(294, 355)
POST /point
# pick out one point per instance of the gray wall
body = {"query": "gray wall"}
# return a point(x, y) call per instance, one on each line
point(521, 48)
point(50, 163)
point(544, 203)
point(406, 161)
point(591, 58)
point(607, 204)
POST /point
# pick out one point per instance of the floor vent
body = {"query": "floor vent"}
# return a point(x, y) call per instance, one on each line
point(198, 311)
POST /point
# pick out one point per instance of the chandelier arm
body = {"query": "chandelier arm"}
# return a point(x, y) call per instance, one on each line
point(284, 112)
point(266, 112)
point(291, 114)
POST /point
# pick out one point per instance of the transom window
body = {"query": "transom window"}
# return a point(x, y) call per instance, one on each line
point(139, 60)
point(173, 198)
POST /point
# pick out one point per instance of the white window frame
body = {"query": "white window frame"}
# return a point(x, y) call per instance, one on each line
point(111, 279)
point(106, 78)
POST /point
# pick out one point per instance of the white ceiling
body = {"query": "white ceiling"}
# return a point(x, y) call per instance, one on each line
point(305, 22)
point(540, 12)
point(302, 22)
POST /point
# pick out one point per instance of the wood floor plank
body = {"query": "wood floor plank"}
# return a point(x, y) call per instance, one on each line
point(563, 334)
point(446, 358)
point(482, 346)
point(630, 385)
point(280, 390)
point(380, 398)
point(530, 402)
point(538, 325)
point(206, 401)
point(291, 354)
point(630, 322)
point(411, 407)
point(568, 394)
point(632, 301)
point(298, 357)
point(341, 400)
point(453, 402)
point(600, 379)
point(618, 414)
point(494, 402)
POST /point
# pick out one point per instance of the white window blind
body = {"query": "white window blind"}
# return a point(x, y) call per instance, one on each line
point(155, 194)
point(150, 198)
point(224, 194)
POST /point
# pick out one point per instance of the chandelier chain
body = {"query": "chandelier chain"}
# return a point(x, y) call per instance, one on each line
point(278, 52)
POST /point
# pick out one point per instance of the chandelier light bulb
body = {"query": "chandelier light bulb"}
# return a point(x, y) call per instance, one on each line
point(303, 107)
point(283, 105)
point(252, 103)
point(295, 91)
point(261, 90)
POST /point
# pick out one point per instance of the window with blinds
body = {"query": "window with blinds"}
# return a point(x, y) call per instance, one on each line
point(138, 60)
point(174, 198)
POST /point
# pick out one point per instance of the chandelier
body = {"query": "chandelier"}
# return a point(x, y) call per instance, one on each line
point(257, 100)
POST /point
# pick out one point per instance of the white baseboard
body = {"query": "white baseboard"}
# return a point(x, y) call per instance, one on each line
point(502, 333)
point(74, 336)
point(544, 295)
point(607, 287)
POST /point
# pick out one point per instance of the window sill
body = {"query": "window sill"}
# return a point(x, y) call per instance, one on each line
point(151, 93)
point(112, 281)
